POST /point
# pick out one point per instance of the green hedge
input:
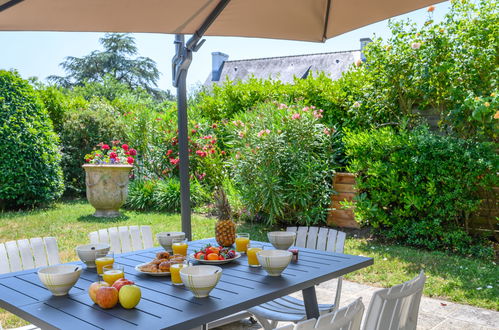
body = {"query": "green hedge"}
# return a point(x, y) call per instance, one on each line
point(417, 187)
point(30, 162)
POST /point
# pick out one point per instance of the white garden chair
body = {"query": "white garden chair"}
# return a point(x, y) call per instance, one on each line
point(346, 318)
point(292, 309)
point(396, 308)
point(26, 254)
point(124, 239)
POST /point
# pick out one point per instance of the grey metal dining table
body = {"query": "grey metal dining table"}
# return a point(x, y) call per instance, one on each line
point(165, 306)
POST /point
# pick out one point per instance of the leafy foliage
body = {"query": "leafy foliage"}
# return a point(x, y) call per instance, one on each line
point(449, 66)
point(418, 187)
point(161, 195)
point(30, 162)
point(84, 127)
point(115, 61)
point(283, 163)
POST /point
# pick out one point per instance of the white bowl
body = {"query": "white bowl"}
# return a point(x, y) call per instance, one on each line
point(274, 261)
point(165, 238)
point(282, 240)
point(88, 252)
point(200, 279)
point(60, 279)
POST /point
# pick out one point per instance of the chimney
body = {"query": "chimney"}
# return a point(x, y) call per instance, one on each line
point(217, 63)
point(363, 44)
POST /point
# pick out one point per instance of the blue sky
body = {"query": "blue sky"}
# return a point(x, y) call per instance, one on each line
point(39, 53)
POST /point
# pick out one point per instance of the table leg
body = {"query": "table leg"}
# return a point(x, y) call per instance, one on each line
point(310, 300)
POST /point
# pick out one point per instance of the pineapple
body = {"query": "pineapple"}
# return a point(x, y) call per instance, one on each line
point(225, 229)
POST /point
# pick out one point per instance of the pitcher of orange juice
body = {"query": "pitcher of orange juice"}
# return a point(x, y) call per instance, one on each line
point(242, 241)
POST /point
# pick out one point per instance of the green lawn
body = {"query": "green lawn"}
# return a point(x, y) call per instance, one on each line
point(453, 278)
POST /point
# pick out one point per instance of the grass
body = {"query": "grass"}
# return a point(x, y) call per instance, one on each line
point(451, 277)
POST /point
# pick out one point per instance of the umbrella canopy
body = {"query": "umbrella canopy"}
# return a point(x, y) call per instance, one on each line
point(307, 20)
point(310, 20)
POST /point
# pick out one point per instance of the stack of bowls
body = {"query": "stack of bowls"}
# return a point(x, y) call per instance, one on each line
point(274, 261)
point(165, 238)
point(87, 253)
point(282, 240)
point(59, 279)
point(201, 279)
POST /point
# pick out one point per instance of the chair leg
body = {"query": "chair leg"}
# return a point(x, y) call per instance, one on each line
point(266, 324)
point(273, 324)
point(338, 294)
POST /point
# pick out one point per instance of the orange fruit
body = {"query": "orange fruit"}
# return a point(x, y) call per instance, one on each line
point(214, 250)
point(212, 256)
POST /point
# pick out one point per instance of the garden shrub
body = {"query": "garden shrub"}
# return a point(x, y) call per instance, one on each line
point(84, 127)
point(450, 67)
point(30, 163)
point(162, 195)
point(418, 187)
point(282, 163)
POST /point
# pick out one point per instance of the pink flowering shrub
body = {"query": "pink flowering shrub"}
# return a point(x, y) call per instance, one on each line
point(282, 163)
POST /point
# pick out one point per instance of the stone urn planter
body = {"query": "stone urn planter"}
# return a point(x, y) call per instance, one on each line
point(107, 188)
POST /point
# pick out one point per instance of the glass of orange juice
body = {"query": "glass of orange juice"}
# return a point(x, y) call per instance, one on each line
point(175, 273)
point(179, 246)
point(112, 273)
point(103, 259)
point(253, 248)
point(242, 241)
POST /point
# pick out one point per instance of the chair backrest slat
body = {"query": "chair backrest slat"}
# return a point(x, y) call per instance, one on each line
point(396, 307)
point(136, 241)
point(301, 237)
point(146, 236)
point(331, 240)
point(340, 241)
point(322, 239)
point(126, 244)
point(26, 254)
point(114, 239)
point(4, 260)
point(39, 253)
point(94, 237)
point(52, 250)
point(312, 237)
point(124, 239)
point(13, 255)
point(305, 325)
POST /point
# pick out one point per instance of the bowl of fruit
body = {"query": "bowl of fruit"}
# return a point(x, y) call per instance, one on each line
point(215, 255)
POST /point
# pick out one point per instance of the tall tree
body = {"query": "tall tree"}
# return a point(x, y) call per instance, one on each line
point(118, 60)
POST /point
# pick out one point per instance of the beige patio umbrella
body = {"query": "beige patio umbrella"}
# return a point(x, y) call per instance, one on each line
point(307, 20)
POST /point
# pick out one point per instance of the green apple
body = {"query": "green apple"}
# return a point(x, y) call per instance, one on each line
point(129, 296)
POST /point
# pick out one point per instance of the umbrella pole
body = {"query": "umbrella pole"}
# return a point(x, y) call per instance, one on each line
point(180, 64)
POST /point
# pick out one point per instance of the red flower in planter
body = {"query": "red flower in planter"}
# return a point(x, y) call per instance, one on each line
point(113, 155)
point(132, 152)
point(169, 152)
point(174, 161)
point(105, 147)
point(130, 160)
point(125, 147)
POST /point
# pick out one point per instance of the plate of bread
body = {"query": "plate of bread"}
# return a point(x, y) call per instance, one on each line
point(159, 266)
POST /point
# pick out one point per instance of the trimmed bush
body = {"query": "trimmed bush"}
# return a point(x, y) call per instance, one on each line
point(417, 187)
point(30, 163)
point(84, 127)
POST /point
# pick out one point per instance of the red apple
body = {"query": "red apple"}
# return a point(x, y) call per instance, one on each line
point(122, 281)
point(107, 297)
point(92, 289)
